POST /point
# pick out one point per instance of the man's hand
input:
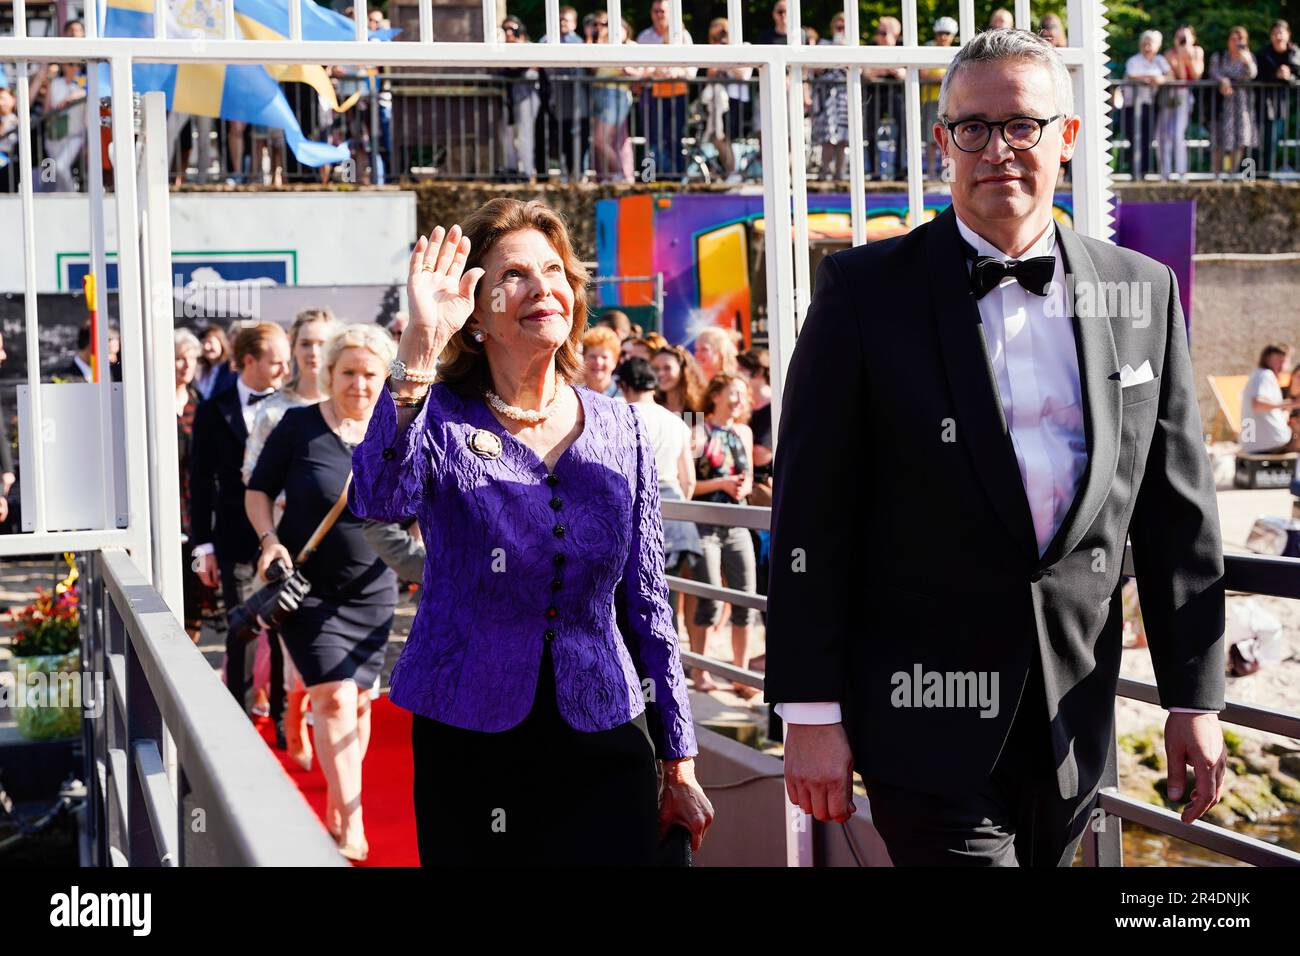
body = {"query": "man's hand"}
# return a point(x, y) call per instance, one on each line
point(819, 771)
point(207, 571)
point(1195, 739)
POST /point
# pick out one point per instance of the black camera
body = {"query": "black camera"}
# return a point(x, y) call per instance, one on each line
point(282, 596)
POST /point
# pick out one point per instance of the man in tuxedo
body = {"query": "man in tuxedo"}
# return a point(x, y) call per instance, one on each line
point(78, 368)
point(1033, 419)
point(225, 545)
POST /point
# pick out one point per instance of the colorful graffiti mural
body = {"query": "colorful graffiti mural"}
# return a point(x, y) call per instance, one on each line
point(709, 250)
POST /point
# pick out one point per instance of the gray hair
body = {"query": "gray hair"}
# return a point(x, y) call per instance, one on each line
point(991, 45)
point(364, 335)
point(185, 340)
point(1150, 35)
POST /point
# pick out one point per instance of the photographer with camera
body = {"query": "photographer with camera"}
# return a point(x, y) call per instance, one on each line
point(338, 630)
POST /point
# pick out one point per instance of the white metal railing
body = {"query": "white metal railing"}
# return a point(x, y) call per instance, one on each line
point(140, 212)
point(788, 262)
point(227, 802)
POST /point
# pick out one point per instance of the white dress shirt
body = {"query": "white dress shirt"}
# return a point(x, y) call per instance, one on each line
point(250, 411)
point(1036, 366)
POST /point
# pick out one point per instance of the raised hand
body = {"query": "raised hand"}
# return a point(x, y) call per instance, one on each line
point(440, 291)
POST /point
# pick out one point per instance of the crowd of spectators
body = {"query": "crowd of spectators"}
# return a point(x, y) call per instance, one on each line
point(626, 123)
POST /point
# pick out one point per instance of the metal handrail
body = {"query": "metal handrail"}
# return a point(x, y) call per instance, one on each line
point(231, 802)
point(1235, 845)
point(1250, 573)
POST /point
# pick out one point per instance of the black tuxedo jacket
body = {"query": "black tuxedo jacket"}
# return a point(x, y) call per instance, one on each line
point(902, 540)
point(216, 484)
point(71, 372)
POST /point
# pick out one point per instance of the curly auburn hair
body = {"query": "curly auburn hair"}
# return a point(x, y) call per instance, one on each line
point(463, 364)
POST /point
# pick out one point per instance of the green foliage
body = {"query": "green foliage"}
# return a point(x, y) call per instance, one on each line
point(1212, 21)
point(1232, 741)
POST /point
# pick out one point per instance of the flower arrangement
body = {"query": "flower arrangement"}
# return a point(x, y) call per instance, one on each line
point(49, 625)
point(47, 687)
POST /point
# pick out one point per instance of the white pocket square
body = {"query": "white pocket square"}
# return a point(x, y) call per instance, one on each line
point(1128, 376)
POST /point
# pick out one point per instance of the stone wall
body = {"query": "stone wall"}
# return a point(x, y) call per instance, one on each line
point(1238, 306)
point(1233, 216)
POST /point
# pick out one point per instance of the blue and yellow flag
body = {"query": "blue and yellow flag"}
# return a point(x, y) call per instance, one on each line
point(236, 91)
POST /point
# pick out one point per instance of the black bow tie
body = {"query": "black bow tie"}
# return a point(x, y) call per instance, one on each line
point(988, 272)
point(254, 398)
point(1034, 275)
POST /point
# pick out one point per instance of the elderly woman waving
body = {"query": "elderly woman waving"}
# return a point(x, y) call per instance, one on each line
point(542, 667)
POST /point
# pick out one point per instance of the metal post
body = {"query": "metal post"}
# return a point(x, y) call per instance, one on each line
point(1103, 838)
point(99, 269)
point(552, 21)
point(966, 18)
point(777, 248)
point(26, 170)
point(143, 723)
point(857, 145)
point(159, 321)
point(426, 21)
point(361, 19)
point(1091, 180)
point(912, 125)
point(130, 305)
point(798, 171)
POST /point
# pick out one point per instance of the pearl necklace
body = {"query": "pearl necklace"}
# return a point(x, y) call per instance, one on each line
point(523, 414)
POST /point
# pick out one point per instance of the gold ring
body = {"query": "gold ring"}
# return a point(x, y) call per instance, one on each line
point(428, 267)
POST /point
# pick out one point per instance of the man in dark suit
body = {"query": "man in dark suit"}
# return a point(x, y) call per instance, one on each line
point(78, 368)
point(225, 545)
point(1034, 414)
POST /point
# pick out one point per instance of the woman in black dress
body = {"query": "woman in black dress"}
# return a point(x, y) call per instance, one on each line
point(337, 638)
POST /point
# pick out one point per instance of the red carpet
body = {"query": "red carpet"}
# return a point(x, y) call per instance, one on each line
point(385, 785)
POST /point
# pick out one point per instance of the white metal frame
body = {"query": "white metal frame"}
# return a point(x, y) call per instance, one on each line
point(141, 211)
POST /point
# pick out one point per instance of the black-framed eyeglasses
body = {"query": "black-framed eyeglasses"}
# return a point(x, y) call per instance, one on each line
point(1019, 132)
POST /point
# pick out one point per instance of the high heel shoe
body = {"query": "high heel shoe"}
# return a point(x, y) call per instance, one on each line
point(354, 853)
point(303, 760)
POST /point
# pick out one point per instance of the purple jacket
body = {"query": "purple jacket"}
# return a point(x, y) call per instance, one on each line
point(518, 558)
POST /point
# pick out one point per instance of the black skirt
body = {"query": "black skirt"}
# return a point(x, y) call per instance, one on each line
point(332, 640)
point(538, 794)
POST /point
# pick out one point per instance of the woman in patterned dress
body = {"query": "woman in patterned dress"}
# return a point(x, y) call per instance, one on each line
point(1235, 131)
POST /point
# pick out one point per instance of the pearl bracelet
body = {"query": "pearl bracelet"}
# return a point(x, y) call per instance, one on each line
point(398, 371)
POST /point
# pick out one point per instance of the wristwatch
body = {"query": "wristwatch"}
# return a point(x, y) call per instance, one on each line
point(398, 372)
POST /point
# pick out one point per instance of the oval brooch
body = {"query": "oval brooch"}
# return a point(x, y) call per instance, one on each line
point(484, 444)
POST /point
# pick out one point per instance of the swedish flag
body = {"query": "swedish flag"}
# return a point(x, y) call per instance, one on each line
point(236, 91)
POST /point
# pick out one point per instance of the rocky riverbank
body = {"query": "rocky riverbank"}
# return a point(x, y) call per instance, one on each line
point(1263, 779)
